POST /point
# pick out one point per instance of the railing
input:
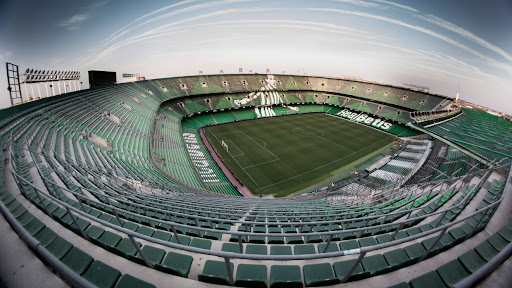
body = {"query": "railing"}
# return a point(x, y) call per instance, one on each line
point(230, 255)
point(286, 215)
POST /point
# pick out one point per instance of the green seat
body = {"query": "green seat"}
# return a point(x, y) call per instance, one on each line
point(109, 239)
point(59, 247)
point(256, 249)
point(506, 233)
point(486, 251)
point(125, 246)
point(128, 281)
point(131, 226)
point(231, 247)
point(415, 251)
point(145, 231)
point(102, 275)
point(77, 260)
point(294, 240)
point(162, 235)
point(257, 239)
point(413, 231)
point(275, 240)
point(319, 275)
point(332, 248)
point(375, 264)
point(153, 254)
point(248, 275)
point(471, 261)
point(183, 239)
point(304, 249)
point(215, 272)
point(33, 227)
point(397, 258)
point(383, 238)
point(25, 218)
point(176, 264)
point(498, 242)
point(46, 236)
point(213, 236)
point(84, 224)
point(201, 243)
point(259, 229)
point(427, 280)
point(280, 250)
point(288, 276)
point(452, 272)
point(94, 233)
point(458, 234)
point(365, 242)
point(342, 268)
point(348, 245)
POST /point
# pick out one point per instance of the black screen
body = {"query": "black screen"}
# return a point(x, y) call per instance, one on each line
point(98, 78)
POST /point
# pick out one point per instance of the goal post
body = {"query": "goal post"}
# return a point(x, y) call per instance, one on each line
point(225, 145)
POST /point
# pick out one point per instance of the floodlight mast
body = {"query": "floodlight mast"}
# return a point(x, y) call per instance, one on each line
point(13, 82)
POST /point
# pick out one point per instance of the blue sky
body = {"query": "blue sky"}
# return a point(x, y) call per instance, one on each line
point(428, 43)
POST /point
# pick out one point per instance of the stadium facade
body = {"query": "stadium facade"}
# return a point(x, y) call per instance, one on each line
point(114, 187)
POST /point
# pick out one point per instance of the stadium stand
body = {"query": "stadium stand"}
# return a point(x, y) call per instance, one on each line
point(108, 186)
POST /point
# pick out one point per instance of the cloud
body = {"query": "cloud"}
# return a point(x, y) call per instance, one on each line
point(424, 30)
point(125, 29)
point(464, 33)
point(164, 30)
point(74, 21)
point(359, 3)
point(396, 5)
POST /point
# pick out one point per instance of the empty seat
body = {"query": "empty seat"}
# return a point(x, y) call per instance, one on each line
point(304, 249)
point(248, 275)
point(201, 243)
point(231, 247)
point(59, 247)
point(109, 239)
point(153, 254)
point(397, 258)
point(176, 264)
point(280, 250)
point(215, 272)
point(319, 275)
point(332, 248)
point(77, 260)
point(375, 264)
point(128, 281)
point(342, 268)
point(285, 276)
point(452, 272)
point(46, 236)
point(256, 249)
point(102, 275)
point(427, 280)
point(471, 261)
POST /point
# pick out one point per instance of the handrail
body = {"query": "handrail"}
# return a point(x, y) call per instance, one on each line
point(341, 221)
point(239, 233)
point(128, 232)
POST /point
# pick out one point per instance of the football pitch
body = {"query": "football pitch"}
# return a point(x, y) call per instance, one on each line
point(271, 155)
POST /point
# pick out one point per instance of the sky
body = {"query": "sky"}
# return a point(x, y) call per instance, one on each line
point(463, 45)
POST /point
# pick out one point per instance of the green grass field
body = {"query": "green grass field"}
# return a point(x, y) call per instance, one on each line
point(271, 155)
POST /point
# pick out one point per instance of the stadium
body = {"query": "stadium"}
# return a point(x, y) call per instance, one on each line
point(253, 180)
